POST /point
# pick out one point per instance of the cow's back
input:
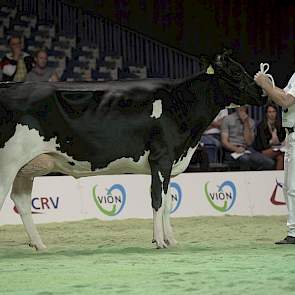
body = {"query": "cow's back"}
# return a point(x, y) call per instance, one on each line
point(96, 124)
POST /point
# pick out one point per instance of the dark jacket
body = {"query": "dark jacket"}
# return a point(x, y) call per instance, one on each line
point(263, 135)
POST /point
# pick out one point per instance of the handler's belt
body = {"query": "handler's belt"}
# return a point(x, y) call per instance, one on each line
point(290, 129)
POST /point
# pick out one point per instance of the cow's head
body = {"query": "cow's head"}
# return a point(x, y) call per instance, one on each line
point(238, 85)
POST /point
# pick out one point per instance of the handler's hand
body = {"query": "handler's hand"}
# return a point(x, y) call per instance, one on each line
point(239, 149)
point(243, 115)
point(261, 80)
point(274, 137)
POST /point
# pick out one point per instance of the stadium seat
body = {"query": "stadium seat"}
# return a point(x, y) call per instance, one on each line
point(67, 76)
point(47, 28)
point(117, 59)
point(31, 20)
point(104, 76)
point(2, 53)
point(126, 75)
point(3, 45)
point(71, 39)
point(139, 70)
point(23, 30)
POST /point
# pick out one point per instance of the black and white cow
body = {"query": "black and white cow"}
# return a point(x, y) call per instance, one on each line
point(82, 129)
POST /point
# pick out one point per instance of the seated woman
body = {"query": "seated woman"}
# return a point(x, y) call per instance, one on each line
point(270, 136)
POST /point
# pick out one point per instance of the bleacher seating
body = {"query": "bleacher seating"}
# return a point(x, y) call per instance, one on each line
point(33, 45)
point(100, 76)
point(21, 27)
point(6, 14)
point(63, 46)
point(73, 60)
point(3, 45)
point(31, 20)
point(139, 70)
point(109, 67)
point(117, 59)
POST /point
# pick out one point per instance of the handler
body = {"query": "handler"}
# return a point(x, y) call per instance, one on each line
point(286, 99)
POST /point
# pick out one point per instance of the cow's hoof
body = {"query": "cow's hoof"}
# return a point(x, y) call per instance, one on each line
point(38, 248)
point(171, 242)
point(41, 248)
point(161, 245)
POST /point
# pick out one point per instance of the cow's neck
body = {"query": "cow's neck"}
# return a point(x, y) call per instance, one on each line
point(205, 105)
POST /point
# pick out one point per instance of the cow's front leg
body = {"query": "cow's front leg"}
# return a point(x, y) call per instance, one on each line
point(160, 181)
point(158, 228)
point(21, 195)
point(168, 233)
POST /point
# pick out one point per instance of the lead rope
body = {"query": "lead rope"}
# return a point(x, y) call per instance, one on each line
point(264, 67)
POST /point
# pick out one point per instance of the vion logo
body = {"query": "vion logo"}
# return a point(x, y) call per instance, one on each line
point(112, 201)
point(223, 198)
point(42, 204)
point(176, 195)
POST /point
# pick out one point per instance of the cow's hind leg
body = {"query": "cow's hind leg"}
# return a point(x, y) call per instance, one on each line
point(21, 195)
point(4, 189)
point(168, 233)
point(3, 194)
point(7, 175)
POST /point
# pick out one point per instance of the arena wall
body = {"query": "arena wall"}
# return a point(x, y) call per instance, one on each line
point(63, 198)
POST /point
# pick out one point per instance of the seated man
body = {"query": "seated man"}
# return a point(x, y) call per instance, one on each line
point(41, 72)
point(211, 137)
point(237, 136)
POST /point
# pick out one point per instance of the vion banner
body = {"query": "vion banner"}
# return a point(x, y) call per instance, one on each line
point(116, 197)
point(113, 197)
point(214, 194)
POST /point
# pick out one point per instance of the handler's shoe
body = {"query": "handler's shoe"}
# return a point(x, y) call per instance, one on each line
point(286, 240)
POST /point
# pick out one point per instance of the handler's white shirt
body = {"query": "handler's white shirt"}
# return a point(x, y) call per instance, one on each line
point(290, 88)
point(289, 115)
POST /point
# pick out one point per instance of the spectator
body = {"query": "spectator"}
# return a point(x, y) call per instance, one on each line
point(212, 136)
point(41, 72)
point(16, 64)
point(270, 135)
point(237, 136)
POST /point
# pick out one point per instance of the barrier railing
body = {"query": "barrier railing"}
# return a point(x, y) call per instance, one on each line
point(111, 38)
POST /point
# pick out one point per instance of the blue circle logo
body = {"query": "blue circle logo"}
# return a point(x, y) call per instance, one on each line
point(224, 198)
point(176, 195)
point(112, 202)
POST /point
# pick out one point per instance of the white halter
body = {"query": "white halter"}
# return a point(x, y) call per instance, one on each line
point(264, 67)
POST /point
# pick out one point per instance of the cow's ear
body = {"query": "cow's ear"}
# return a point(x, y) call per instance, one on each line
point(219, 60)
point(204, 62)
point(227, 52)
